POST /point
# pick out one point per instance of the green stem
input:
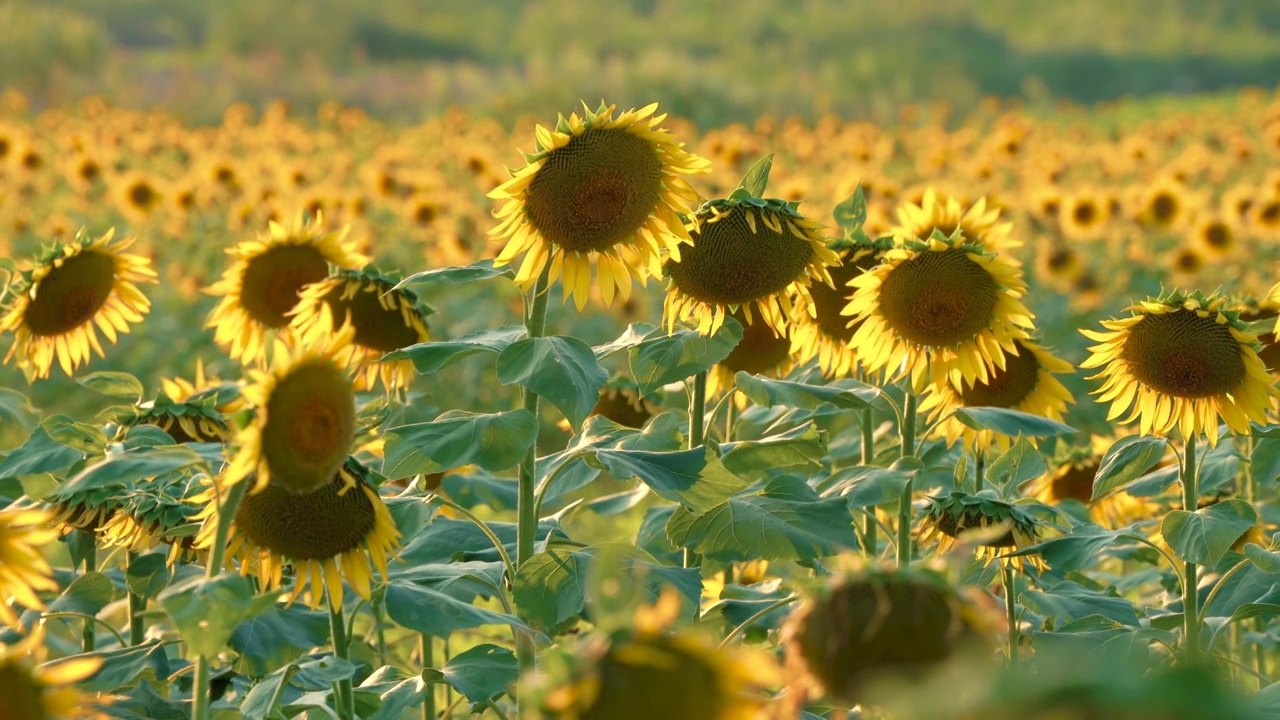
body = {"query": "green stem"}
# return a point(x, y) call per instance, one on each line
point(908, 432)
point(697, 410)
point(88, 620)
point(217, 552)
point(1011, 613)
point(979, 470)
point(381, 633)
point(343, 692)
point(1190, 613)
point(870, 543)
point(729, 416)
point(89, 636)
point(429, 700)
point(137, 626)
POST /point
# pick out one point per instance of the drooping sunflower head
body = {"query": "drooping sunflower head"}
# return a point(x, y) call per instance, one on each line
point(826, 334)
point(994, 527)
point(202, 388)
point(74, 290)
point(162, 510)
point(34, 690)
point(196, 421)
point(23, 570)
point(384, 319)
point(1026, 382)
point(878, 624)
point(305, 419)
point(262, 284)
point(747, 253)
point(977, 224)
point(598, 190)
point(942, 300)
point(1181, 361)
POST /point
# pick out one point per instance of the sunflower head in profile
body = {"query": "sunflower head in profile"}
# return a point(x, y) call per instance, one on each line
point(342, 530)
point(304, 423)
point(620, 402)
point(262, 285)
point(977, 223)
point(826, 334)
point(1181, 362)
point(942, 300)
point(747, 253)
point(994, 527)
point(36, 690)
point(598, 190)
point(162, 510)
point(186, 422)
point(1026, 382)
point(72, 291)
point(202, 387)
point(384, 319)
point(23, 570)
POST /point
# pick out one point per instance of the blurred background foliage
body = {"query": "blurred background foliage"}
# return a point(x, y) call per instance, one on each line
point(714, 62)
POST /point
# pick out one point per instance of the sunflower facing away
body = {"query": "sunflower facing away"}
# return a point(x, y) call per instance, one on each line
point(161, 510)
point(74, 290)
point(383, 319)
point(326, 535)
point(943, 300)
point(978, 224)
point(600, 191)
point(305, 421)
point(1181, 361)
point(262, 285)
point(995, 527)
point(1074, 469)
point(23, 570)
point(184, 421)
point(826, 334)
point(747, 252)
point(31, 689)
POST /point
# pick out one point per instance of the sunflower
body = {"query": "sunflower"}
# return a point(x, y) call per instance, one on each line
point(184, 421)
point(620, 402)
point(326, 535)
point(943, 300)
point(384, 319)
point(598, 190)
point(1186, 262)
point(1266, 215)
point(1214, 236)
point(226, 394)
point(38, 690)
point(1084, 216)
point(994, 526)
point(978, 224)
point(23, 571)
point(746, 252)
point(305, 422)
point(760, 352)
point(1026, 382)
point(137, 196)
point(1075, 468)
point(262, 285)
point(1181, 361)
point(161, 510)
point(1057, 263)
point(826, 334)
point(1162, 206)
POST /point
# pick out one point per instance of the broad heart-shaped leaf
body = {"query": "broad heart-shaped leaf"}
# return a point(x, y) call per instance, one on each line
point(458, 275)
point(87, 594)
point(258, 702)
point(851, 212)
point(483, 672)
point(661, 359)
point(1127, 461)
point(396, 700)
point(1020, 463)
point(1079, 549)
point(1218, 468)
point(132, 466)
point(694, 478)
point(124, 667)
point(777, 524)
point(493, 442)
point(433, 612)
point(756, 180)
point(551, 586)
point(802, 447)
point(1011, 422)
point(276, 638)
point(562, 369)
point(844, 394)
point(148, 574)
point(39, 454)
point(16, 409)
point(113, 384)
point(1205, 536)
point(866, 486)
point(1069, 602)
point(206, 611)
point(429, 357)
point(1267, 561)
point(445, 539)
point(631, 337)
point(86, 438)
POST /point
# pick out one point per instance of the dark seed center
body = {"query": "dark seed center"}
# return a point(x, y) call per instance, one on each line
point(1184, 355)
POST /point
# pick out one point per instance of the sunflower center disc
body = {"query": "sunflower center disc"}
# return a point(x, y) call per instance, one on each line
point(760, 351)
point(596, 191)
point(654, 678)
point(20, 692)
point(1006, 387)
point(1084, 213)
point(376, 327)
point(1184, 355)
point(1163, 208)
point(271, 281)
point(1076, 482)
point(938, 299)
point(69, 296)
point(311, 423)
point(828, 302)
point(1216, 235)
point(142, 196)
point(314, 526)
point(730, 265)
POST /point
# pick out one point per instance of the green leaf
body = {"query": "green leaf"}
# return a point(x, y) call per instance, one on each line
point(774, 525)
point(564, 370)
point(87, 594)
point(1205, 536)
point(16, 409)
point(1126, 461)
point(1079, 549)
point(851, 212)
point(1015, 466)
point(844, 394)
point(113, 384)
point(396, 701)
point(1265, 560)
point(206, 611)
point(756, 181)
point(132, 466)
point(124, 667)
point(480, 673)
point(429, 357)
point(631, 337)
point(147, 575)
point(460, 275)
point(39, 454)
point(868, 486)
point(663, 359)
point(433, 612)
point(1011, 422)
point(694, 478)
point(84, 437)
point(1070, 602)
point(277, 637)
point(1253, 610)
point(257, 703)
point(493, 442)
point(802, 447)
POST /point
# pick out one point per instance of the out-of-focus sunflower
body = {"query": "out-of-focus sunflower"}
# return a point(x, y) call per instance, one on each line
point(1072, 479)
point(1084, 215)
point(1266, 215)
point(23, 570)
point(262, 285)
point(384, 319)
point(341, 531)
point(1214, 236)
point(33, 689)
point(1181, 361)
point(978, 224)
point(1162, 205)
point(137, 196)
point(305, 419)
point(943, 300)
point(1026, 383)
point(1237, 201)
point(746, 252)
point(1185, 263)
point(995, 527)
point(598, 190)
point(74, 290)
point(827, 333)
point(1058, 263)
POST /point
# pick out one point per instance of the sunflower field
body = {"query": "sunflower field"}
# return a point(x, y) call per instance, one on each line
point(622, 416)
